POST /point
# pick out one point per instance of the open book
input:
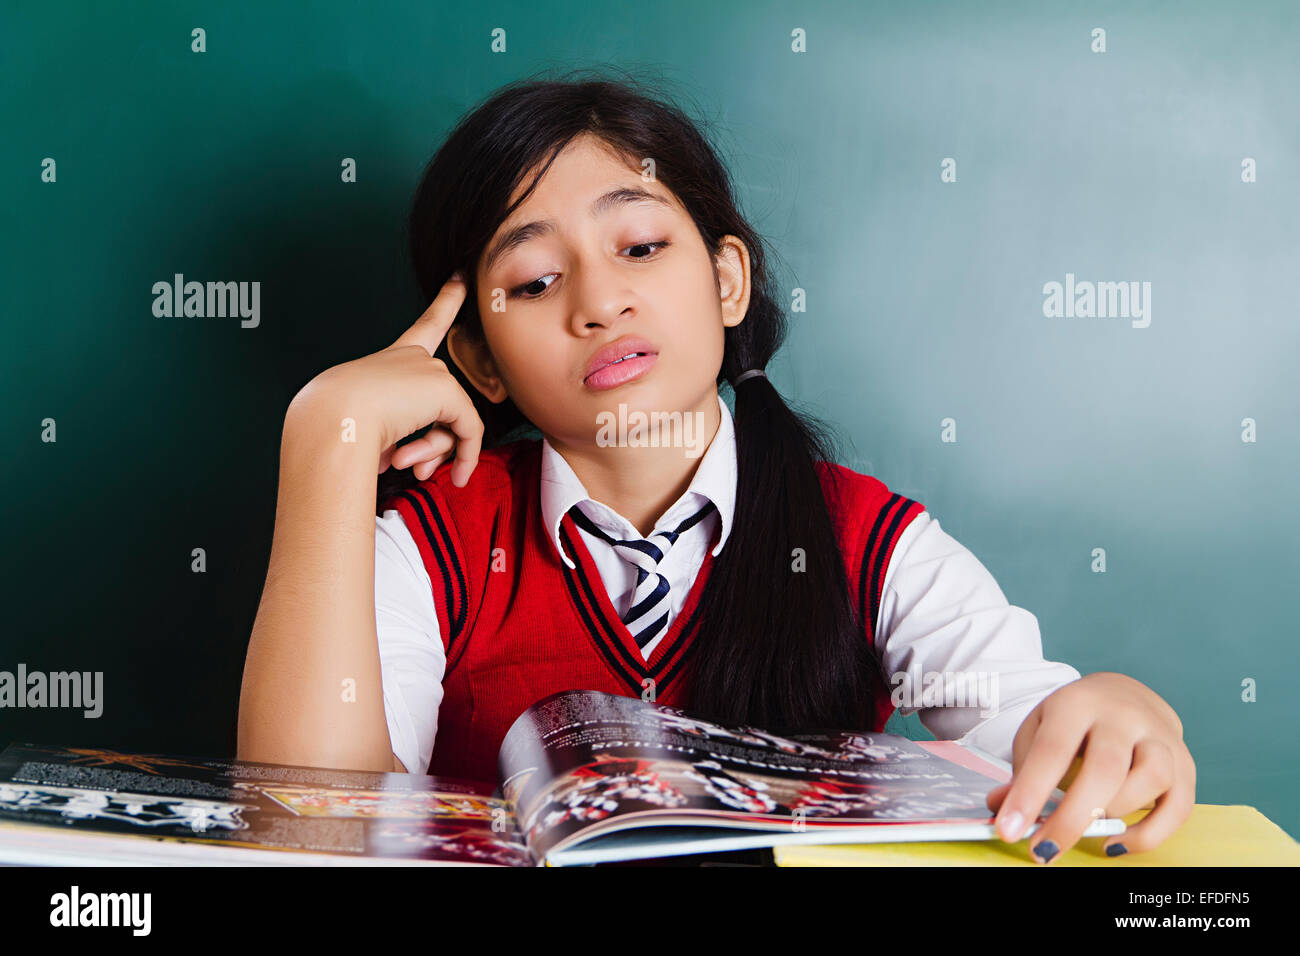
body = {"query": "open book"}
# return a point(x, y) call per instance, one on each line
point(585, 777)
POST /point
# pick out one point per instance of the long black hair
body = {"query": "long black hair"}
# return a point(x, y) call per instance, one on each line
point(779, 645)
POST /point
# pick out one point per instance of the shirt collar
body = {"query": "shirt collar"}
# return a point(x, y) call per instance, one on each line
point(714, 480)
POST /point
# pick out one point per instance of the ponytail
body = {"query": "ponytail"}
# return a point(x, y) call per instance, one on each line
point(780, 644)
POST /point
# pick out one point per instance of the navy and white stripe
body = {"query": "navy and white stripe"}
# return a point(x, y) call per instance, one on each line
point(650, 603)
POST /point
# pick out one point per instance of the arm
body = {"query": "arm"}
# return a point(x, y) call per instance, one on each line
point(950, 615)
point(311, 692)
point(942, 612)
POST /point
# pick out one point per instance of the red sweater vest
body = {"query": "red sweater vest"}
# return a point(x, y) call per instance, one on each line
point(517, 624)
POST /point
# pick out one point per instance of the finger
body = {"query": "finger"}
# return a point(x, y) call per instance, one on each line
point(1057, 739)
point(426, 453)
point(1019, 748)
point(436, 441)
point(1152, 774)
point(463, 419)
point(1107, 758)
point(424, 469)
point(993, 799)
point(996, 797)
point(428, 330)
point(385, 459)
point(1172, 808)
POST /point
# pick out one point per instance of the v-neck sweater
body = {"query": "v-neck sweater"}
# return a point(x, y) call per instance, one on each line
point(518, 624)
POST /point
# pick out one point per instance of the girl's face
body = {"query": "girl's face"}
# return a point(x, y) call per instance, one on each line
point(597, 253)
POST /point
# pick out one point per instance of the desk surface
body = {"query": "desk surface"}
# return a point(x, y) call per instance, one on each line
point(1212, 836)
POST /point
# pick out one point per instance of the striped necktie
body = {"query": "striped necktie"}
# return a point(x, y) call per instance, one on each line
point(649, 611)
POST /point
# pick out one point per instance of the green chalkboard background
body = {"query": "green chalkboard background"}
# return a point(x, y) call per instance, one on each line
point(924, 303)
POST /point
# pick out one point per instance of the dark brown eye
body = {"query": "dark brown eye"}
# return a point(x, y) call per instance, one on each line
point(520, 292)
point(649, 245)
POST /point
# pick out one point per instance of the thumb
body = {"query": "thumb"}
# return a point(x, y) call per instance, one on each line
point(997, 795)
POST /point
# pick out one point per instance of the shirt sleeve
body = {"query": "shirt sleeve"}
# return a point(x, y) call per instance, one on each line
point(944, 619)
point(411, 656)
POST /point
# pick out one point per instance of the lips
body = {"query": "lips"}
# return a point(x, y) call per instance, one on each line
point(628, 345)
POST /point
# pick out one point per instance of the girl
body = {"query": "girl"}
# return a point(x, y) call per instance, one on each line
point(600, 271)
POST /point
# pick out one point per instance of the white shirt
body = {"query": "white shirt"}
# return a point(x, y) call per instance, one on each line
point(941, 611)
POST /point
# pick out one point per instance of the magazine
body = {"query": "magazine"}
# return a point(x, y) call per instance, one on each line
point(584, 778)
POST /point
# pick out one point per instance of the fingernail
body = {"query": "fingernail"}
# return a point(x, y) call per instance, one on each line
point(458, 276)
point(1115, 849)
point(1046, 850)
point(1011, 825)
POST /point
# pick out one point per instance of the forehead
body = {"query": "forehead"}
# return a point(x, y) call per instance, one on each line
point(586, 167)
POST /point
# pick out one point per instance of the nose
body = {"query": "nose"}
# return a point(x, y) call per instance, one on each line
point(601, 296)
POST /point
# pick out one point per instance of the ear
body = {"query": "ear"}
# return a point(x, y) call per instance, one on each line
point(731, 264)
point(475, 360)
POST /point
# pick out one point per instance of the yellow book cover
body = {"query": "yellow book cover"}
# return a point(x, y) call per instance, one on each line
point(1212, 836)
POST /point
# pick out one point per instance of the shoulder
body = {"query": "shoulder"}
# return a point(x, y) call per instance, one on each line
point(853, 495)
point(871, 521)
point(868, 516)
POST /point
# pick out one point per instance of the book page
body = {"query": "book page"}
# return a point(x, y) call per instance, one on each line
point(579, 759)
point(255, 805)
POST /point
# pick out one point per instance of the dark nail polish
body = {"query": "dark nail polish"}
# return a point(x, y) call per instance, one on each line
point(1115, 849)
point(1046, 850)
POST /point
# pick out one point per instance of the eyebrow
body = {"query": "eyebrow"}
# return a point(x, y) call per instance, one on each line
point(622, 196)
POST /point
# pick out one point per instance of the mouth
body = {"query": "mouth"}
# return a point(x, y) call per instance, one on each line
point(620, 362)
point(621, 371)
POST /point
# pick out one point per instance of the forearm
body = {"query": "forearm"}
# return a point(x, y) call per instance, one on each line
point(312, 692)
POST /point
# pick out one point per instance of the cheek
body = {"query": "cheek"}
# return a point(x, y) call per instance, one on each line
point(525, 355)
